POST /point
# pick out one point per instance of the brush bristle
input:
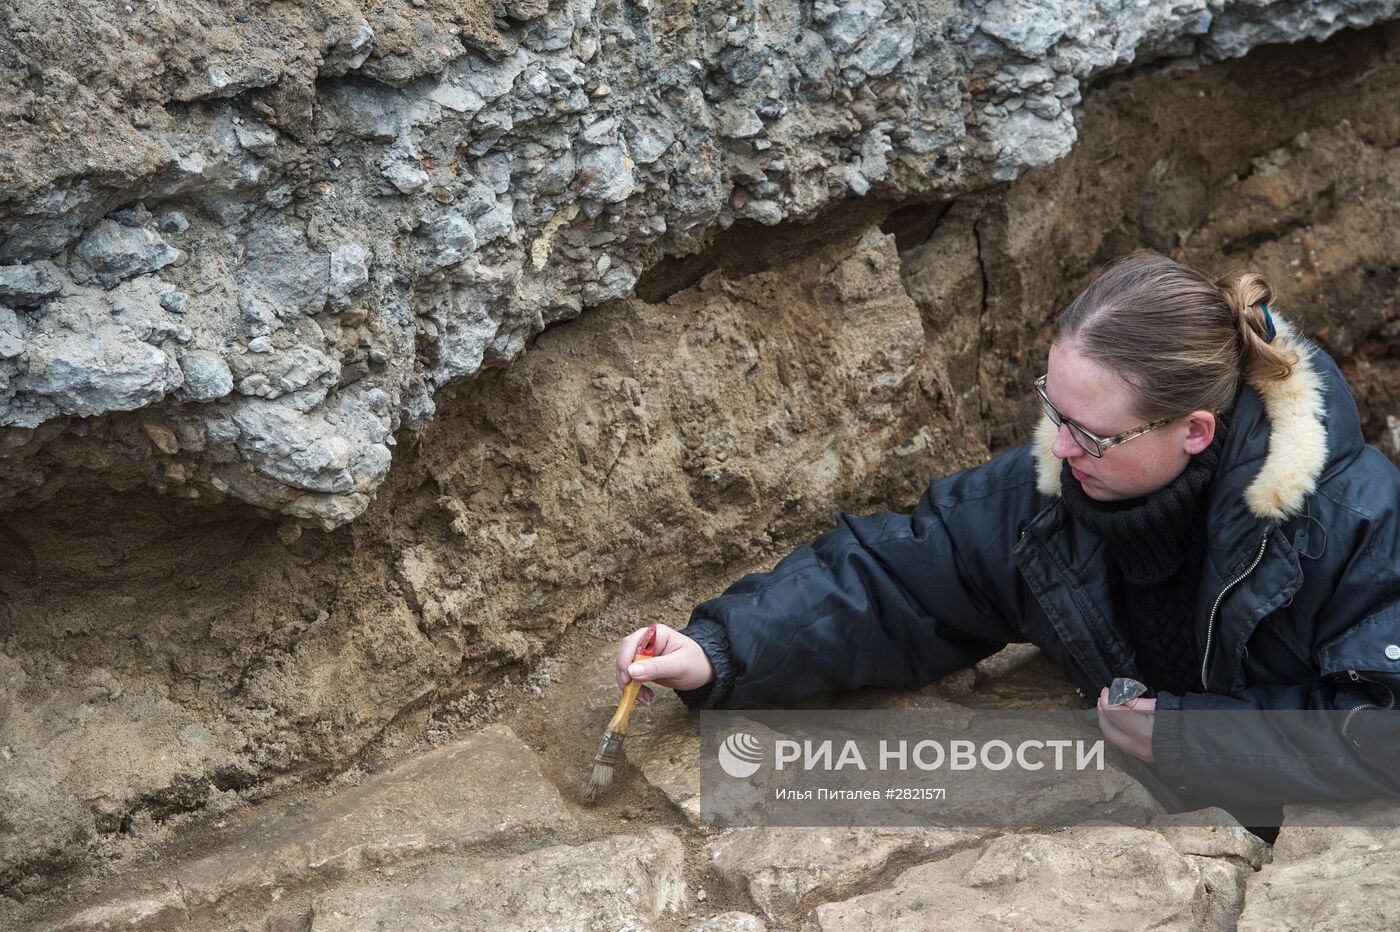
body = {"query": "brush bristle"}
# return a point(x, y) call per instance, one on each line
point(597, 782)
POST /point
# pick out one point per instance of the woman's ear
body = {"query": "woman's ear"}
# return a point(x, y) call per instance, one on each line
point(1200, 431)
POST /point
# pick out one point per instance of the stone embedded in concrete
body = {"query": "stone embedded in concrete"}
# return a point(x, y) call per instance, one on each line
point(207, 376)
point(787, 871)
point(485, 789)
point(11, 336)
point(1339, 872)
point(349, 271)
point(257, 137)
point(112, 252)
point(87, 355)
point(1085, 878)
point(281, 263)
point(621, 882)
point(29, 285)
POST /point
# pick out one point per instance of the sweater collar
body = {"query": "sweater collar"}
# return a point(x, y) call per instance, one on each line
point(1149, 536)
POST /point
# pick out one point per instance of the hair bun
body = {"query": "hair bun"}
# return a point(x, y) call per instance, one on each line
point(1264, 358)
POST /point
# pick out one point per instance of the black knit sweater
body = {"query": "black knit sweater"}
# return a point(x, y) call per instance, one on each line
point(1156, 546)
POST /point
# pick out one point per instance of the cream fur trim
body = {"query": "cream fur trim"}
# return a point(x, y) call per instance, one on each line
point(1297, 440)
point(1297, 436)
point(1047, 464)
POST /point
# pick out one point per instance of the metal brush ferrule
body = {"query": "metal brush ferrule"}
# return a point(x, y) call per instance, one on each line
point(610, 749)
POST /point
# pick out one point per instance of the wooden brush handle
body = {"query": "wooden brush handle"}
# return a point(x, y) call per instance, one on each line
point(646, 648)
point(624, 707)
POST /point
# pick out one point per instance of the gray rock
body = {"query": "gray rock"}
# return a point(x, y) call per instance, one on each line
point(238, 77)
point(1030, 27)
point(350, 50)
point(86, 356)
point(207, 376)
point(349, 271)
point(883, 51)
point(285, 372)
point(283, 267)
point(402, 167)
point(11, 334)
point(605, 174)
point(490, 217)
point(172, 222)
point(451, 240)
point(174, 301)
point(257, 138)
point(737, 122)
point(113, 252)
point(30, 285)
point(259, 312)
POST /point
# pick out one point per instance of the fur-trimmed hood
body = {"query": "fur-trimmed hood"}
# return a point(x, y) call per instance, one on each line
point(1289, 433)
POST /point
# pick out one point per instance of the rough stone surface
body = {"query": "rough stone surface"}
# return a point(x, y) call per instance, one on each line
point(1222, 837)
point(1341, 874)
point(787, 871)
point(409, 194)
point(484, 789)
point(665, 747)
point(622, 882)
point(733, 921)
point(1102, 878)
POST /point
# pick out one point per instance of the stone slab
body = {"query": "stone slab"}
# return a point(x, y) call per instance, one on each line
point(487, 788)
point(1085, 878)
point(789, 870)
point(1340, 877)
point(624, 882)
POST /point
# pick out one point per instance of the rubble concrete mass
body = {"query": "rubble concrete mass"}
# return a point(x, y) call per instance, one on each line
point(279, 230)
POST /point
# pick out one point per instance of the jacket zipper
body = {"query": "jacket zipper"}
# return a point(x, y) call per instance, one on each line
point(1358, 678)
point(1210, 624)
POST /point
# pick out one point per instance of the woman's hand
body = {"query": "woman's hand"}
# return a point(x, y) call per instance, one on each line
point(679, 662)
point(1128, 726)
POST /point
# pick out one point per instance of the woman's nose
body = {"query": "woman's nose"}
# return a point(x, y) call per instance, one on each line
point(1064, 446)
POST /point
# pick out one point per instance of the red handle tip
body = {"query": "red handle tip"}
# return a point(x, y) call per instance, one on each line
point(647, 647)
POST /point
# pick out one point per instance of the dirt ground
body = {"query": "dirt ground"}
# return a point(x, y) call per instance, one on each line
point(164, 664)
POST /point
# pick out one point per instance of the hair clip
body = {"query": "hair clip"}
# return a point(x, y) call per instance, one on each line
point(1270, 331)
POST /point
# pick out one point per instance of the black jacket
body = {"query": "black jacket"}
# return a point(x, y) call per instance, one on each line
point(1298, 605)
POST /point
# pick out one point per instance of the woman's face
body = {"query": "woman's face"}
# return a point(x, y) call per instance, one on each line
point(1098, 399)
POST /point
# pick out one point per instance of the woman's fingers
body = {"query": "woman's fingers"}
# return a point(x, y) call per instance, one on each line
point(628, 649)
point(678, 662)
point(657, 668)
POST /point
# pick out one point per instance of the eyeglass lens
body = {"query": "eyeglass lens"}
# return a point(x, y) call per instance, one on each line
point(1085, 442)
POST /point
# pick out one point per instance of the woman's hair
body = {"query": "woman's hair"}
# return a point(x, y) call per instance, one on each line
point(1181, 338)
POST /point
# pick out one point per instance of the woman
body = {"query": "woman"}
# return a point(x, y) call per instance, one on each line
point(1198, 511)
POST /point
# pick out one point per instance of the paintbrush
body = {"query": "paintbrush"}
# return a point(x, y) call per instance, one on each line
point(610, 750)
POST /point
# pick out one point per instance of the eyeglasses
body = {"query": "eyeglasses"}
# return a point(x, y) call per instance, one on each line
point(1088, 441)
